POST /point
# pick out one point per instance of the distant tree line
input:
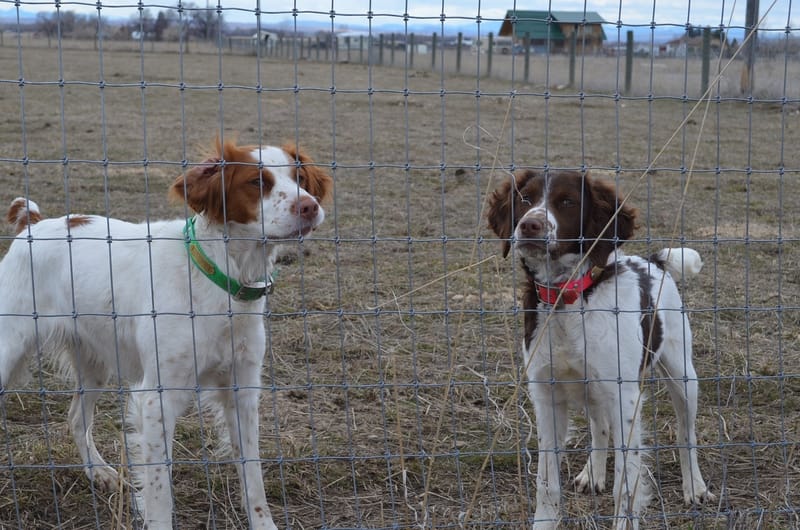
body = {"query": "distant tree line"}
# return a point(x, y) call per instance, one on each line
point(195, 22)
point(769, 44)
point(192, 21)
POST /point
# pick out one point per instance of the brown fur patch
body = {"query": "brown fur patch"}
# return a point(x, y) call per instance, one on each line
point(311, 177)
point(19, 217)
point(76, 221)
point(234, 199)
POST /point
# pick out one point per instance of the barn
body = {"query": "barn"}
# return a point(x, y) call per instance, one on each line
point(554, 30)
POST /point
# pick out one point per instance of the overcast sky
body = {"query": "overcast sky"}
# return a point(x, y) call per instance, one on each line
point(702, 12)
point(353, 12)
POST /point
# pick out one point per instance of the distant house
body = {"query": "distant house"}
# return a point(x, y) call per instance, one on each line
point(555, 30)
point(692, 46)
point(264, 37)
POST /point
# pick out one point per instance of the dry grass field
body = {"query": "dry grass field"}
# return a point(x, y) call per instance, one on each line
point(392, 395)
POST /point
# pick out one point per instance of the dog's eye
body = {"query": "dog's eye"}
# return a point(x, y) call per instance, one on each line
point(567, 203)
point(256, 182)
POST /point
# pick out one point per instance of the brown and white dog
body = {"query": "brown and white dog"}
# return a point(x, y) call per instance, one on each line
point(593, 327)
point(174, 308)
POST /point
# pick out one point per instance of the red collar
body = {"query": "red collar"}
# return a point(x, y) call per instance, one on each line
point(571, 290)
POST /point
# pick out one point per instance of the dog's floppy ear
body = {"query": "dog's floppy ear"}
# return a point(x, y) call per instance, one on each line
point(196, 183)
point(312, 178)
point(604, 205)
point(499, 214)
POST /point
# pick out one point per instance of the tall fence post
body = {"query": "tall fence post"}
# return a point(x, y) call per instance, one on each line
point(361, 49)
point(706, 64)
point(629, 62)
point(433, 51)
point(410, 50)
point(392, 46)
point(747, 81)
point(573, 46)
point(527, 42)
point(380, 49)
point(458, 52)
point(489, 52)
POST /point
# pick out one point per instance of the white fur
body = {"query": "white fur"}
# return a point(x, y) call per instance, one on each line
point(587, 355)
point(133, 311)
point(576, 359)
point(682, 263)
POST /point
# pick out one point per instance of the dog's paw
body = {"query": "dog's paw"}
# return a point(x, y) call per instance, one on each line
point(585, 483)
point(699, 495)
point(104, 478)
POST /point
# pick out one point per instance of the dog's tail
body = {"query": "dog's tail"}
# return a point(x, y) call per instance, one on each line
point(23, 213)
point(682, 263)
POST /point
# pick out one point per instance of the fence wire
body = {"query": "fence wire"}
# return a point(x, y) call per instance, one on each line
point(393, 389)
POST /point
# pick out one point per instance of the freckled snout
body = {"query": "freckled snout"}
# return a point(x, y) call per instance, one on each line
point(306, 208)
point(308, 214)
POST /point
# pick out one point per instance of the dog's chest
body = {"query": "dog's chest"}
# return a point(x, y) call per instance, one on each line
point(560, 346)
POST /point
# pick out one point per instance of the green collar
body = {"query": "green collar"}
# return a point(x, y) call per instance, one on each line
point(245, 293)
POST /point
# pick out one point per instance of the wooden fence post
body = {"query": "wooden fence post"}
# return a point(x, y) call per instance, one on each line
point(706, 64)
point(458, 52)
point(489, 51)
point(629, 62)
point(747, 82)
point(433, 51)
point(527, 42)
point(573, 46)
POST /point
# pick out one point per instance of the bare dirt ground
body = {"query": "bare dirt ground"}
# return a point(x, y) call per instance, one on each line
point(391, 381)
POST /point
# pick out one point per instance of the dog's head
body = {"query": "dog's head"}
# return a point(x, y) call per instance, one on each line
point(557, 213)
point(277, 187)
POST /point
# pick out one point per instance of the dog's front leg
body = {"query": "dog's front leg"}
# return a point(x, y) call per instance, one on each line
point(551, 426)
point(242, 419)
point(158, 412)
point(593, 477)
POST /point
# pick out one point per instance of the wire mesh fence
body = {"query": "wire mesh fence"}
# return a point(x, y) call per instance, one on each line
point(393, 393)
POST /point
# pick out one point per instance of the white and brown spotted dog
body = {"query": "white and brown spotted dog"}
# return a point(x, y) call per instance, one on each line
point(173, 308)
point(593, 327)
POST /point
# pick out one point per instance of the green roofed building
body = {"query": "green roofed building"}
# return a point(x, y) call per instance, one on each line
point(553, 30)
